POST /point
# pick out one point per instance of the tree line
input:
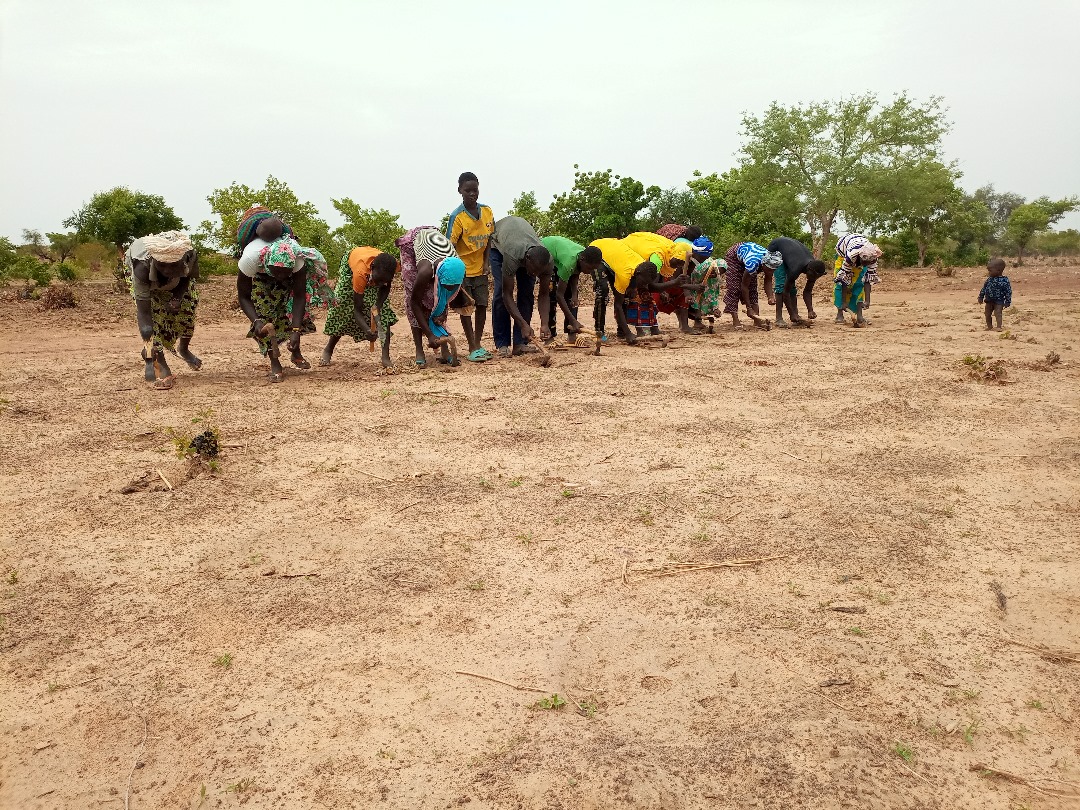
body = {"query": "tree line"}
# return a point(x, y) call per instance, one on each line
point(805, 170)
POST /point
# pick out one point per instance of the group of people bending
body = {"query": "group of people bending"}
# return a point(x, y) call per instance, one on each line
point(674, 270)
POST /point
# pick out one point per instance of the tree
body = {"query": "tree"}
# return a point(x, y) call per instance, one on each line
point(526, 207)
point(230, 202)
point(971, 226)
point(62, 246)
point(1000, 207)
point(730, 209)
point(917, 195)
point(823, 152)
point(120, 216)
point(370, 227)
point(600, 204)
point(1032, 218)
point(15, 264)
point(678, 205)
point(35, 245)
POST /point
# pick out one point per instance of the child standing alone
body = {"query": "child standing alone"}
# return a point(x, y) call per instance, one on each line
point(996, 293)
point(469, 230)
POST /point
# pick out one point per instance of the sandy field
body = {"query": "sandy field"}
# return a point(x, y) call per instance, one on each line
point(291, 629)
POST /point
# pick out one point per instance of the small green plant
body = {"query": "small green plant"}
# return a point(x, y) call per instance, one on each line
point(223, 661)
point(970, 731)
point(386, 753)
point(568, 492)
point(204, 797)
point(52, 687)
point(795, 590)
point(1036, 704)
point(239, 787)
point(478, 585)
point(646, 517)
point(856, 631)
point(1006, 335)
point(701, 537)
point(526, 539)
point(1019, 733)
point(984, 369)
point(905, 752)
point(486, 484)
point(553, 703)
point(13, 577)
point(971, 694)
point(588, 707)
point(514, 483)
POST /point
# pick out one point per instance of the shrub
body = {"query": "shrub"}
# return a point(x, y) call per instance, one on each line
point(57, 298)
point(66, 272)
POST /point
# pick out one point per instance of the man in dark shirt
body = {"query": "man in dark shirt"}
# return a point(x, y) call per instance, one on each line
point(798, 260)
point(518, 259)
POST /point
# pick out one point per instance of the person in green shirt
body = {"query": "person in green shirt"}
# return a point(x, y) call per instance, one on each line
point(570, 260)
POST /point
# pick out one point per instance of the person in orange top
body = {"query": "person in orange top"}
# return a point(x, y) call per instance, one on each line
point(364, 279)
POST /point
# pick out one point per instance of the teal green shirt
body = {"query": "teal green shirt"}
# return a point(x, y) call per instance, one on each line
point(565, 253)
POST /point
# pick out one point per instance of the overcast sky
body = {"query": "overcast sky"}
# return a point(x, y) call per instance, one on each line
point(386, 103)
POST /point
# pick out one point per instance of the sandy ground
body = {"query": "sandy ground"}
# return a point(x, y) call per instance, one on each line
point(287, 632)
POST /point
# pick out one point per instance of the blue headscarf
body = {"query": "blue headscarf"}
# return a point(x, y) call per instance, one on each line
point(448, 277)
point(703, 246)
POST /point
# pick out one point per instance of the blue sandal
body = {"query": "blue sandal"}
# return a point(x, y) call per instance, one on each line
point(479, 356)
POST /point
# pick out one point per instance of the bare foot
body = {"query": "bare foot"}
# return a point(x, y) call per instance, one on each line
point(783, 325)
point(193, 362)
point(165, 383)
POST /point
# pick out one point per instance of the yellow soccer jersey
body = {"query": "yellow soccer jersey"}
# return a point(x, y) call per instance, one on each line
point(470, 236)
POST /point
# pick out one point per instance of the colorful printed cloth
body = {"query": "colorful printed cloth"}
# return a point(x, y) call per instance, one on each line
point(847, 296)
point(641, 311)
point(711, 273)
point(340, 320)
point(273, 302)
point(856, 250)
point(997, 289)
point(288, 253)
point(672, 231)
point(169, 326)
point(449, 273)
point(733, 280)
point(249, 221)
point(671, 300)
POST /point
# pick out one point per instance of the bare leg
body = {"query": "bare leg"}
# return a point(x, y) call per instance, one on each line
point(998, 308)
point(186, 355)
point(988, 312)
point(470, 335)
point(328, 352)
point(480, 323)
point(418, 339)
point(780, 322)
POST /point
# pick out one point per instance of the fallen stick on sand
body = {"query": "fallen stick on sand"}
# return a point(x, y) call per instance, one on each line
point(1047, 652)
point(161, 475)
point(498, 680)
point(789, 455)
point(1070, 787)
point(671, 569)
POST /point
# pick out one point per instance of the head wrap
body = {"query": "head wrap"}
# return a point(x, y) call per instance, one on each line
point(249, 221)
point(448, 277)
point(773, 259)
point(281, 253)
point(169, 246)
point(451, 272)
point(672, 231)
point(703, 246)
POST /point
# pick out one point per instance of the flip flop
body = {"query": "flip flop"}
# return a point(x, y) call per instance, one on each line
point(479, 356)
point(420, 363)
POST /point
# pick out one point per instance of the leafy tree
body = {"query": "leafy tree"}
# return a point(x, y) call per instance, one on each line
point(823, 152)
point(730, 209)
point(63, 245)
point(372, 227)
point(1031, 218)
point(35, 245)
point(679, 205)
point(526, 207)
point(971, 226)
point(1058, 243)
point(919, 196)
point(15, 264)
point(230, 202)
point(1000, 207)
point(600, 204)
point(120, 216)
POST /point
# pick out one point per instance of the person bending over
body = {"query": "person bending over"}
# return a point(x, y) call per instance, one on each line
point(797, 261)
point(571, 259)
point(363, 287)
point(518, 261)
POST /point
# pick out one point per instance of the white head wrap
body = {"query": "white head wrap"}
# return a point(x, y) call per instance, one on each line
point(169, 246)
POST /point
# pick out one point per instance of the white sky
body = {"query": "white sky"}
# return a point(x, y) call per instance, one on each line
point(387, 102)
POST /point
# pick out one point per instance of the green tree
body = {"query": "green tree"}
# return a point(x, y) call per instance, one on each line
point(971, 226)
point(371, 227)
point(16, 264)
point(823, 152)
point(1032, 218)
point(120, 216)
point(918, 195)
point(729, 208)
point(34, 244)
point(1058, 243)
point(600, 204)
point(63, 245)
point(526, 207)
point(230, 202)
point(1000, 206)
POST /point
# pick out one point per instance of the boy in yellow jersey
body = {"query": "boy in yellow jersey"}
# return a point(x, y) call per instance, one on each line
point(469, 230)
